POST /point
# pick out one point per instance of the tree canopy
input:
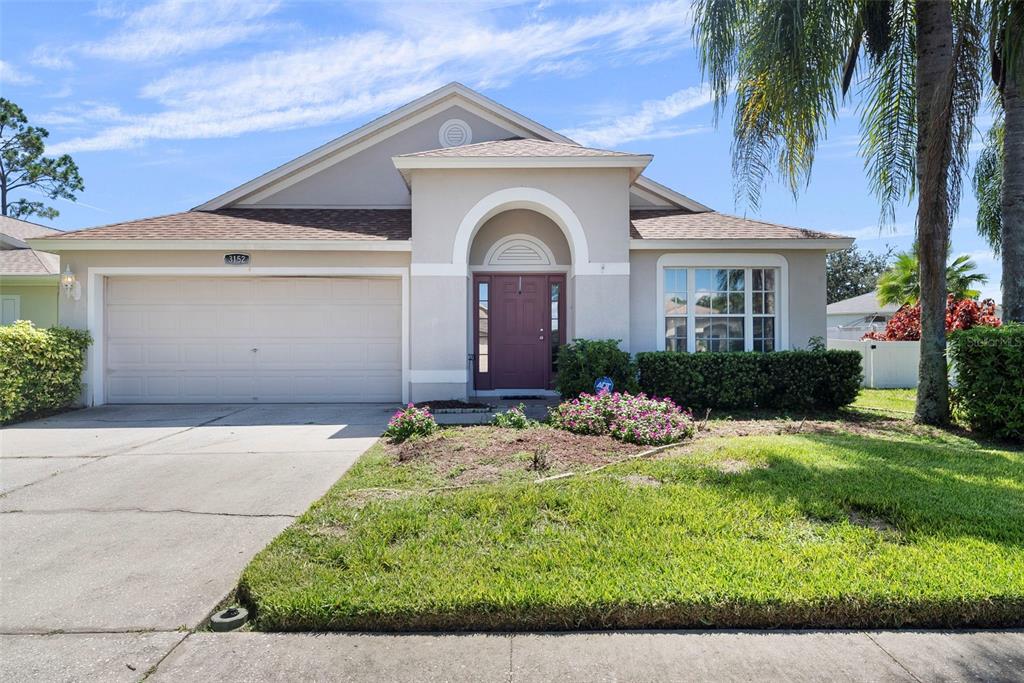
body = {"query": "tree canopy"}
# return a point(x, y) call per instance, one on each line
point(852, 272)
point(23, 166)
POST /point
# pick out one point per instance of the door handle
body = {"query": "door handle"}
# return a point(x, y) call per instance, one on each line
point(542, 337)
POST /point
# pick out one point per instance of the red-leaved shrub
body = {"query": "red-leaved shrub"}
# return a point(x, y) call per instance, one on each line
point(962, 314)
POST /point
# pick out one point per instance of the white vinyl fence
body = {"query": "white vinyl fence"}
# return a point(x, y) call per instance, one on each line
point(886, 364)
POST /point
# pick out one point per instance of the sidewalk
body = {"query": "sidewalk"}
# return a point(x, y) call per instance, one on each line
point(590, 657)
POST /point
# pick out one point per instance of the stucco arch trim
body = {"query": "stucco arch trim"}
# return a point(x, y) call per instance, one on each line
point(530, 198)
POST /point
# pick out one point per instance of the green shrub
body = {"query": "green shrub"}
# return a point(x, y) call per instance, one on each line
point(584, 361)
point(40, 369)
point(989, 392)
point(513, 418)
point(408, 422)
point(783, 379)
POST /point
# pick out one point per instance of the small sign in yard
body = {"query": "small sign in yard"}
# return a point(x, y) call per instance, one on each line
point(603, 384)
point(236, 259)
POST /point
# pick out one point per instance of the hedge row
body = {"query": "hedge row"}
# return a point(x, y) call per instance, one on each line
point(782, 379)
point(989, 391)
point(40, 369)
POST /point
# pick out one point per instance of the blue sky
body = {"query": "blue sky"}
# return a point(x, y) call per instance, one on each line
point(169, 103)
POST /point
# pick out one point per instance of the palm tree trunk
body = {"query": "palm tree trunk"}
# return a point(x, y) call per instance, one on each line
point(934, 142)
point(1013, 197)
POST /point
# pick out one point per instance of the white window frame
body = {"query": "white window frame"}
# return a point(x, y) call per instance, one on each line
point(692, 262)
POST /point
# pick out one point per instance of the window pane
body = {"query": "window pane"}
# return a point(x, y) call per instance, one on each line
point(703, 280)
point(736, 303)
point(482, 291)
point(769, 303)
point(769, 279)
point(736, 280)
point(483, 364)
point(675, 304)
point(757, 299)
point(758, 279)
point(554, 336)
point(675, 334)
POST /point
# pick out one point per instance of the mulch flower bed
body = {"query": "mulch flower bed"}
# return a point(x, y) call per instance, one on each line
point(472, 454)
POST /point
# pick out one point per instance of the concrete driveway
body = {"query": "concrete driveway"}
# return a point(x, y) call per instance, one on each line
point(129, 519)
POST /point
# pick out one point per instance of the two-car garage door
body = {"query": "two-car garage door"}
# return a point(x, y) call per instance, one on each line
point(261, 339)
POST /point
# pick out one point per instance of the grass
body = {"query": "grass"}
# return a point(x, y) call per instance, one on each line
point(827, 529)
point(887, 400)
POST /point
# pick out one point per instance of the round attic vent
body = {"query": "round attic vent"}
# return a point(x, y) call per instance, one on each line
point(455, 132)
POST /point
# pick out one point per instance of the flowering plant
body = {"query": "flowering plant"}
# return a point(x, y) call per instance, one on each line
point(631, 418)
point(409, 422)
point(961, 314)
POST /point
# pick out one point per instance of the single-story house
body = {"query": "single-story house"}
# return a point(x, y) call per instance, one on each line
point(28, 277)
point(444, 250)
point(854, 317)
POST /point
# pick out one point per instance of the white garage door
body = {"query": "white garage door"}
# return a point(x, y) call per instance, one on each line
point(266, 339)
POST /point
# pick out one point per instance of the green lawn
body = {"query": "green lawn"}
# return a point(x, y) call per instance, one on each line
point(908, 527)
point(887, 400)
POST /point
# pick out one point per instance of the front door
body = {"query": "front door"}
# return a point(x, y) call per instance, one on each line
point(519, 317)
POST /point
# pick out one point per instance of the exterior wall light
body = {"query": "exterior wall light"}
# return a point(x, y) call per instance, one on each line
point(70, 285)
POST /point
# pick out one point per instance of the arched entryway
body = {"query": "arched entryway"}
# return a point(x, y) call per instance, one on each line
point(519, 261)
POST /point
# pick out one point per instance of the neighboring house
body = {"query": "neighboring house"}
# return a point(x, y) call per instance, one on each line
point(441, 251)
point(854, 317)
point(28, 278)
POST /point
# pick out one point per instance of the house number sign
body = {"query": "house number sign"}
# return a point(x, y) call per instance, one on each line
point(236, 259)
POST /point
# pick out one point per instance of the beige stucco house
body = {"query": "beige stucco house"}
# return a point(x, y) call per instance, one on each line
point(444, 250)
point(28, 278)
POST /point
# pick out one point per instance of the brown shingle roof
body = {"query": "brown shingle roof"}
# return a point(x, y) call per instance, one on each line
point(518, 147)
point(685, 225)
point(260, 224)
point(22, 230)
point(28, 262)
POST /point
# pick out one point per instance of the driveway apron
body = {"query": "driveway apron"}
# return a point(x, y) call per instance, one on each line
point(126, 525)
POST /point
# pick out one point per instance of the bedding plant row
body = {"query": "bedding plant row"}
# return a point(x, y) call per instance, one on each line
point(858, 520)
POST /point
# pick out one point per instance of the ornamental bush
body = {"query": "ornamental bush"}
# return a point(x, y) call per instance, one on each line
point(961, 314)
point(989, 392)
point(40, 369)
point(513, 418)
point(409, 422)
point(583, 361)
point(633, 419)
point(782, 379)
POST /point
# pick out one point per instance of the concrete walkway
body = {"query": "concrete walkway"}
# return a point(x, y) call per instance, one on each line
point(584, 657)
point(124, 519)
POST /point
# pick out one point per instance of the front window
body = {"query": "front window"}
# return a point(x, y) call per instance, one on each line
point(482, 346)
point(733, 309)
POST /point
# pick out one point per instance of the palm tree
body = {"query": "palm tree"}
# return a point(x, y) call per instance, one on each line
point(901, 285)
point(999, 174)
point(788, 63)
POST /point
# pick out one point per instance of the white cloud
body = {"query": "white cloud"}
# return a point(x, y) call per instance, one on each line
point(165, 29)
point(12, 76)
point(361, 73)
point(647, 123)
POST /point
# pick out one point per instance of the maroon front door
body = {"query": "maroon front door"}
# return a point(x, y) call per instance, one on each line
point(515, 317)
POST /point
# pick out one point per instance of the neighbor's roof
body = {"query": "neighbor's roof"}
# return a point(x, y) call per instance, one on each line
point(863, 304)
point(260, 224)
point(514, 148)
point(22, 230)
point(685, 225)
point(28, 262)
